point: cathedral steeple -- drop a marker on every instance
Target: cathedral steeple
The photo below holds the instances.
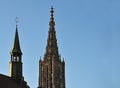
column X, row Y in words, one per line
column 51, row 68
column 51, row 48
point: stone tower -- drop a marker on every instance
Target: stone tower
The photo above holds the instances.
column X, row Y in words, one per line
column 16, row 59
column 51, row 68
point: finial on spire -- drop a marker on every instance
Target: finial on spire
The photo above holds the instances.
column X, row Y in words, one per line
column 16, row 20
column 52, row 11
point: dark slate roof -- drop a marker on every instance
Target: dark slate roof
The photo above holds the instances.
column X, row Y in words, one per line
column 7, row 82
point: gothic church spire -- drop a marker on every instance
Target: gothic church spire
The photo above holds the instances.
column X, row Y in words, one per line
column 51, row 68
column 51, row 48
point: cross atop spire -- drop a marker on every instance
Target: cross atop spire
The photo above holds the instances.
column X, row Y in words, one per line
column 16, row 20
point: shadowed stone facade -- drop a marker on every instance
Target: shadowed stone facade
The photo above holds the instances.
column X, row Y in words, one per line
column 51, row 68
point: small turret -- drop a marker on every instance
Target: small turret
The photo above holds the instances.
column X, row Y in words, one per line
column 16, row 59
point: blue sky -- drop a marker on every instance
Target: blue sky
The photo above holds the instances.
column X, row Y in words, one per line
column 88, row 33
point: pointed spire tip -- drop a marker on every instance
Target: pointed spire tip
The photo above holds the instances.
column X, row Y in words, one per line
column 16, row 20
column 16, row 45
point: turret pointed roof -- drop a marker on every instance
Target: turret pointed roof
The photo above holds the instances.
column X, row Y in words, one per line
column 16, row 45
column 52, row 48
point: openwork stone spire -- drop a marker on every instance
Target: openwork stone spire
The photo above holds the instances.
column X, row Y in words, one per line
column 51, row 48
column 51, row 68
